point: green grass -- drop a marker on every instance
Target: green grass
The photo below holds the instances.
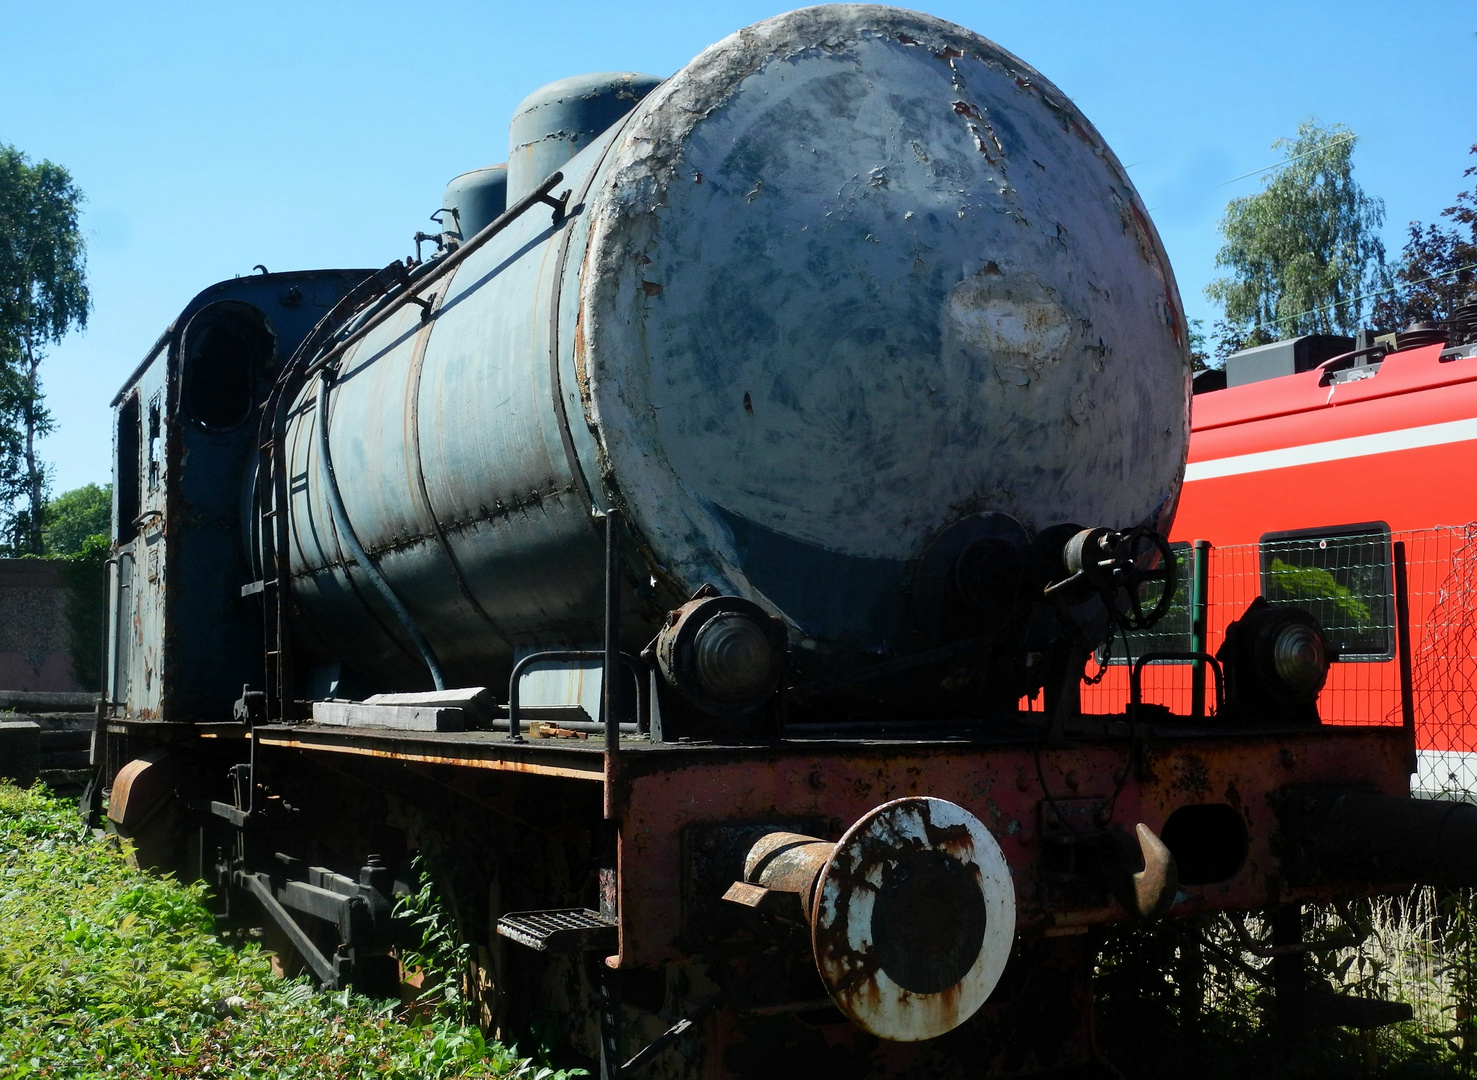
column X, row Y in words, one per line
column 106, row 971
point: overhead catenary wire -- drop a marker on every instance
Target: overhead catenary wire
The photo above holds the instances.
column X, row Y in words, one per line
column 1364, row 296
column 1353, row 299
column 1266, row 168
column 1288, row 161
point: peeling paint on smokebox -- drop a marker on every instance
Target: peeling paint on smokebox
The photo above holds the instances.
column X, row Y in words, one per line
column 876, row 334
column 1015, row 321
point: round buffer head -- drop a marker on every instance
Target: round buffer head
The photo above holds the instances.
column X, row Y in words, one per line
column 914, row 921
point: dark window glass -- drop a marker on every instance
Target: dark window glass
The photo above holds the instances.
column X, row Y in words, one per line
column 1341, row 575
column 1172, row 632
column 156, row 439
column 126, row 445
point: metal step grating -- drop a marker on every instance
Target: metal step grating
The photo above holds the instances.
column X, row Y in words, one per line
column 560, row 930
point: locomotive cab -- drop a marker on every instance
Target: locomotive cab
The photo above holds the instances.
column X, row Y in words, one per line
column 183, row 435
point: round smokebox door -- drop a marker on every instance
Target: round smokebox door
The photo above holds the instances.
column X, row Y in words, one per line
column 914, row 921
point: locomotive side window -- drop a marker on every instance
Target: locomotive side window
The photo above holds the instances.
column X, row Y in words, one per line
column 156, row 439
column 1342, row 576
column 228, row 347
column 127, row 443
column 1172, row 632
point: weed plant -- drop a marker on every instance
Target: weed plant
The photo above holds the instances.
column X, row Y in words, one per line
column 1185, row 992
column 106, row 972
column 442, row 959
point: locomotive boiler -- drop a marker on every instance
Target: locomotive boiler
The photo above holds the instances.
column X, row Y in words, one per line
column 696, row 561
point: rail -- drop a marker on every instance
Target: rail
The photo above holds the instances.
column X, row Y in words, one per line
column 566, row 656
column 611, row 656
column 1198, row 657
column 445, row 266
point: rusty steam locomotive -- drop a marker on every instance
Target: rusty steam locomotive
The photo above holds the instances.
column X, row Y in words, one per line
column 674, row 556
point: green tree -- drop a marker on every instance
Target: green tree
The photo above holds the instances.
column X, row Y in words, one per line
column 1199, row 350
column 1438, row 267
column 1305, row 250
column 74, row 516
column 43, row 295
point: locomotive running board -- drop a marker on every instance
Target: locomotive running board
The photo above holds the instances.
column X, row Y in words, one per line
column 579, row 759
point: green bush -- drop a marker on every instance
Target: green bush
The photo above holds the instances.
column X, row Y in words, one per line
column 106, row 971
column 84, row 573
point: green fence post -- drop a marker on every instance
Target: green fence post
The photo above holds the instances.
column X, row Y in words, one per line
column 1199, row 602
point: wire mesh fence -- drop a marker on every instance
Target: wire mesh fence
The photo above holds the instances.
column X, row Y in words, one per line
column 1345, row 578
column 1419, row 948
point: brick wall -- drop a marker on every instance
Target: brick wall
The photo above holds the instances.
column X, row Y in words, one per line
column 35, row 641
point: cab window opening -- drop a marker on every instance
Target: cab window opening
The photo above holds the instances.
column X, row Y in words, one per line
column 228, row 348
column 127, row 446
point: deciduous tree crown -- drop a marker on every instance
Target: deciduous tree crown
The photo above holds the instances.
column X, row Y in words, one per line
column 1304, row 252
column 43, row 295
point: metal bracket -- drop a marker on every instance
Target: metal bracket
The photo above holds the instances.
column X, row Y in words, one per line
column 560, row 204
column 235, row 816
column 700, row 1012
column 359, row 909
column 426, row 305
column 331, row 973
column 1112, row 855
column 564, row 656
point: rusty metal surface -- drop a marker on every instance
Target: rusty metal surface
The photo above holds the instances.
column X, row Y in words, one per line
column 788, row 862
column 837, row 248
column 140, row 786
column 455, row 478
column 1155, row 886
column 1335, row 834
column 474, row 750
column 914, row 920
column 557, row 121
column 180, row 640
column 668, row 789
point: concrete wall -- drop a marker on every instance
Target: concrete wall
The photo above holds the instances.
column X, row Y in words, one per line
column 35, row 641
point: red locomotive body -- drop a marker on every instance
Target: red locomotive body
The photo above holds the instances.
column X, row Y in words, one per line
column 1296, row 488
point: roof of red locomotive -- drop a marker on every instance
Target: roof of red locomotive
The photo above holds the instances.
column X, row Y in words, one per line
column 1400, row 373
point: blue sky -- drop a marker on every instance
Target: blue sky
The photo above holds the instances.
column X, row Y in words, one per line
column 210, row 137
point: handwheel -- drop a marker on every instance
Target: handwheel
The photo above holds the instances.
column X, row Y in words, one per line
column 1137, row 546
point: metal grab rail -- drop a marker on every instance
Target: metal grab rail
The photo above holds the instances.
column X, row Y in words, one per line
column 438, row 270
column 1135, row 679
column 634, row 664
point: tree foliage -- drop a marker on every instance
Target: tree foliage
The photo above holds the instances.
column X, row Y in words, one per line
column 1438, row 266
column 1199, row 350
column 73, row 517
column 43, row 295
column 1305, row 250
